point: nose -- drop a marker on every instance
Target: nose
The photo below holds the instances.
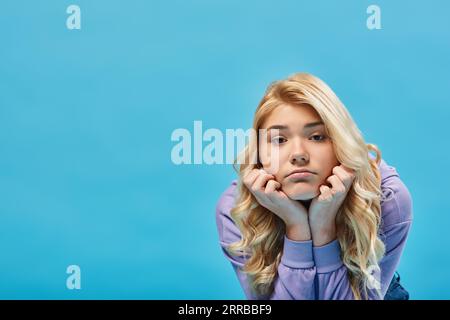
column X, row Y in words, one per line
column 299, row 156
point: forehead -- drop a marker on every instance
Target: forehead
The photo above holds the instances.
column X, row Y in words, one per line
column 291, row 116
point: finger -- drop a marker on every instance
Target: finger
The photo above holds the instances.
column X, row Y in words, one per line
column 347, row 169
column 324, row 189
column 261, row 181
column 341, row 172
column 337, row 186
column 250, row 178
column 271, row 187
column 325, row 192
column 265, row 197
column 345, row 174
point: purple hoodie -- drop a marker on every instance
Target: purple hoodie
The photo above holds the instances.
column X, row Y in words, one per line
column 307, row 272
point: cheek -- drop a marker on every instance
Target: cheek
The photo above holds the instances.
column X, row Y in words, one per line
column 326, row 164
column 274, row 162
column 269, row 155
column 262, row 154
column 321, row 180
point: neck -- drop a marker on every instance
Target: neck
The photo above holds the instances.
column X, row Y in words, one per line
column 306, row 203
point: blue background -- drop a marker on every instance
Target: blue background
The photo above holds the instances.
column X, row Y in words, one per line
column 86, row 118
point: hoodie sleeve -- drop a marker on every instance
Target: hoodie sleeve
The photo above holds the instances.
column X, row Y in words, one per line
column 396, row 207
column 296, row 271
column 309, row 273
column 332, row 279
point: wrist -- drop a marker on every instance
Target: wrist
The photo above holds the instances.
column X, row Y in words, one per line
column 298, row 232
column 296, row 220
column 323, row 235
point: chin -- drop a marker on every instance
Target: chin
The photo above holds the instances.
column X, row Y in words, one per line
column 302, row 193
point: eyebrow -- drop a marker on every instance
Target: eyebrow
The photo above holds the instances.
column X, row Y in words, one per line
column 307, row 126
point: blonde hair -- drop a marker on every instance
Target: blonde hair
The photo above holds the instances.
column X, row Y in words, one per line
column 358, row 219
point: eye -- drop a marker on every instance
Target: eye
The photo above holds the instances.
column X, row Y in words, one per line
column 318, row 137
column 278, row 140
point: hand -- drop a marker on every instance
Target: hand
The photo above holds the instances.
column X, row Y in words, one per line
column 324, row 207
column 268, row 193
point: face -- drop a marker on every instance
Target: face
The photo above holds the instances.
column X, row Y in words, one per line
column 296, row 138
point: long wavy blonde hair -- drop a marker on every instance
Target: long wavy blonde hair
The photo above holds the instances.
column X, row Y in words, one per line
column 359, row 217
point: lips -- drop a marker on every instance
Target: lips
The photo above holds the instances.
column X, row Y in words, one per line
column 301, row 173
